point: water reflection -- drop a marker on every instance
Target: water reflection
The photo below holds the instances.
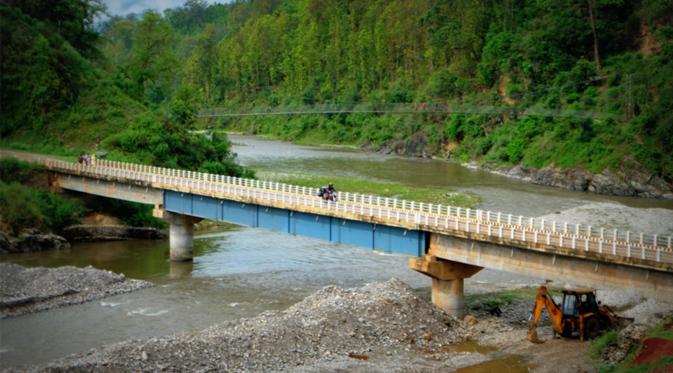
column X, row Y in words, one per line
column 180, row 270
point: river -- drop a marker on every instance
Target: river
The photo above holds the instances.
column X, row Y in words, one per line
column 240, row 272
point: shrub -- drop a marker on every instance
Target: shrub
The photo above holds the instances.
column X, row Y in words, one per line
column 26, row 208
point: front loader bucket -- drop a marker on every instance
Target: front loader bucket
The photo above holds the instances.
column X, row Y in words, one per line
column 532, row 336
column 623, row 322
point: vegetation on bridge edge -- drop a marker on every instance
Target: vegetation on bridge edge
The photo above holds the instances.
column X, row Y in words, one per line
column 27, row 203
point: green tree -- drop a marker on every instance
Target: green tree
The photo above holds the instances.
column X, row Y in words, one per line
column 152, row 64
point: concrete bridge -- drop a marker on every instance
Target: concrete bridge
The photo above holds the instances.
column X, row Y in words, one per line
column 446, row 243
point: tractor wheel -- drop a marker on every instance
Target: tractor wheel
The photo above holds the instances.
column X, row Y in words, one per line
column 592, row 328
column 567, row 331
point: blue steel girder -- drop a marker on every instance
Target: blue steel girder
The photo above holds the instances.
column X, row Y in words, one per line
column 343, row 231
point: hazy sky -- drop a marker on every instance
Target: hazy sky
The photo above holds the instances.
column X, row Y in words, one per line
column 123, row 7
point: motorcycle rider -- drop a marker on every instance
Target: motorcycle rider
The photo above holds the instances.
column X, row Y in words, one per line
column 327, row 191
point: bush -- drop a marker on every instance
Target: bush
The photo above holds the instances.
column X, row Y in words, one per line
column 20, row 208
column 599, row 344
column 28, row 208
column 12, row 169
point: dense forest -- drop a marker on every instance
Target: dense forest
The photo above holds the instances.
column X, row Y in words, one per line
column 600, row 68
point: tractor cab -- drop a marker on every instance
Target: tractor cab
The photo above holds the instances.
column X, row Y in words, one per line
column 578, row 301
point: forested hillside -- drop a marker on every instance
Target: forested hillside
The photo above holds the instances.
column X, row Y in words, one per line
column 600, row 68
column 58, row 94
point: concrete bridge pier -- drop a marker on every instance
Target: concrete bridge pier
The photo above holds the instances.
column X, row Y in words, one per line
column 181, row 234
column 447, row 281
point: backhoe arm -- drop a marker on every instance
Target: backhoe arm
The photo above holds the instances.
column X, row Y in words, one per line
column 543, row 299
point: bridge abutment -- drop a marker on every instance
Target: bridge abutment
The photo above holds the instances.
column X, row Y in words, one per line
column 181, row 235
column 447, row 281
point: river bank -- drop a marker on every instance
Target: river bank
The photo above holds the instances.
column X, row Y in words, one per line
column 27, row 290
column 34, row 240
column 627, row 183
column 379, row 327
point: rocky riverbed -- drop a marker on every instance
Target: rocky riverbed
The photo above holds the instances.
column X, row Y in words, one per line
column 91, row 232
column 380, row 327
column 632, row 182
column 26, row 290
column 31, row 241
column 616, row 216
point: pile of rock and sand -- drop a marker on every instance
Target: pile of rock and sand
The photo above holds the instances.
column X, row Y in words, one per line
column 26, row 290
column 380, row 327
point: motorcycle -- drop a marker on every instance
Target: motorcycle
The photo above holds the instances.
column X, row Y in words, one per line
column 328, row 195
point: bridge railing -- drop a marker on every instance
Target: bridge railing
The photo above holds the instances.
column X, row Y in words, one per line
column 494, row 224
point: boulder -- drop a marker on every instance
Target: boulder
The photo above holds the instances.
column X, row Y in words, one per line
column 6, row 245
column 40, row 242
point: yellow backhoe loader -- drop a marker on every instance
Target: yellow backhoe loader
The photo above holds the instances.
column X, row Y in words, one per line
column 579, row 315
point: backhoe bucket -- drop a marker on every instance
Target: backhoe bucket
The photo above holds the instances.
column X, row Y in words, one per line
column 532, row 336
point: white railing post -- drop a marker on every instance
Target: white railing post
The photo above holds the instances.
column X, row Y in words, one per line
column 586, row 244
column 600, row 246
column 565, row 228
column 499, row 217
column 553, row 226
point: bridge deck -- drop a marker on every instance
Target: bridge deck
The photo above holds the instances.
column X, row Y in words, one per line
column 595, row 243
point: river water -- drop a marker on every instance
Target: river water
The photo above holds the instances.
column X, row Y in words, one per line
column 239, row 272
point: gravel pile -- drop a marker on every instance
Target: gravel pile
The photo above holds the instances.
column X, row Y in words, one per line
column 26, row 290
column 378, row 327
